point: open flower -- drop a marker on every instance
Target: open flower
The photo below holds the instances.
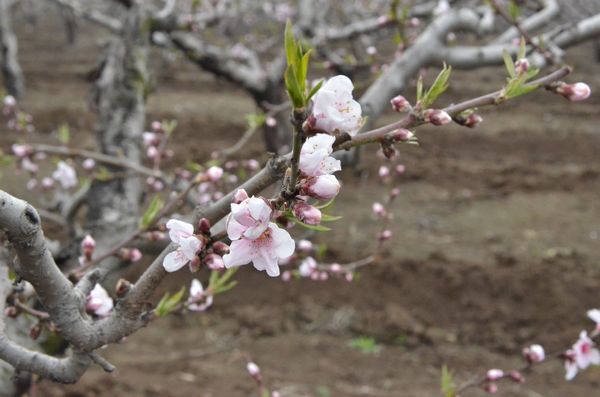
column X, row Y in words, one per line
column 198, row 301
column 264, row 251
column 181, row 233
column 250, row 218
column 581, row 355
column 334, row 109
column 98, row 302
column 65, row 175
column 315, row 156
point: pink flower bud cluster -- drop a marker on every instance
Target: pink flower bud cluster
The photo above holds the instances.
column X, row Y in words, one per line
column 16, row 120
column 317, row 167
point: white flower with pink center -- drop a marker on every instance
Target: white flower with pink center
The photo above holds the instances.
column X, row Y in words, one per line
column 198, row 300
column 315, row 156
column 334, row 109
column 265, row 251
column 65, row 175
column 581, row 355
column 250, row 218
column 99, row 302
column 182, row 234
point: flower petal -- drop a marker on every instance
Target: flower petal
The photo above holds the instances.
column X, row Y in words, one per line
column 174, row 261
column 179, row 230
column 240, row 253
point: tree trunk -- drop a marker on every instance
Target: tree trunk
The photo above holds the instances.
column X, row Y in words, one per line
column 11, row 70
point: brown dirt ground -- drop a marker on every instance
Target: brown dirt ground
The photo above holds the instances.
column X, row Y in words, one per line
column 495, row 246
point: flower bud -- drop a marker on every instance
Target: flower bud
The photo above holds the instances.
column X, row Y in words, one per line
column 204, row 226
column 401, row 135
column 157, row 126
column 534, row 353
column 307, row 213
column 323, row 187
column 575, row 92
column 384, row 172
column 88, row 245
column 214, row 173
column 305, row 246
column 521, row 66
column 270, row 121
column 220, row 248
column 494, row 374
column 400, row 104
column 35, row 331
column 253, row 370
column 436, row 117
column 378, row 209
column 194, row 264
column 385, row 235
column 21, row 150
column 286, row 276
column 122, row 288
column 10, row 101
column 394, row 193
column 491, row 388
column 335, row 268
column 516, row 376
column 240, row 196
column 214, row 262
column 472, row 120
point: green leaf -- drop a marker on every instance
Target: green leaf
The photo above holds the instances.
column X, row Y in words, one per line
column 448, row 387
column 317, row 228
column 513, row 10
column 329, row 218
column 314, row 90
column 169, row 126
column 419, row 88
column 509, row 63
column 291, row 83
column 64, row 134
column 365, row 345
column 291, row 49
column 522, row 49
column 168, row 303
column 153, row 209
column 303, row 70
column 437, row 88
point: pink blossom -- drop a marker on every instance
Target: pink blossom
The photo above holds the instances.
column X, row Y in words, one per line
column 575, row 92
column 315, row 156
column 307, row 213
column 264, row 251
column 134, row 255
column 286, row 276
column 324, row 187
column 240, row 196
column 214, row 173
column 371, row 50
column 581, row 355
column 65, row 175
column 156, row 126
column 252, row 164
column 152, row 152
column 442, row 7
column 305, row 246
column 253, row 370
column 271, row 121
column 198, row 301
column 88, row 245
column 10, row 101
column 47, row 182
column 385, row 235
column 334, row 109
column 249, row 219
column 99, row 302
column 21, row 150
column 594, row 315
column 378, row 209
column 182, row 234
column 384, row 171
column 150, row 139
column 29, row 165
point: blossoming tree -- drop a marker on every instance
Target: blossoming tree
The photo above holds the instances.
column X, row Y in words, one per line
column 218, row 222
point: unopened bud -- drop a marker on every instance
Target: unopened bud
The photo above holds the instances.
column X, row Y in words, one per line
column 516, row 376
column 521, row 66
column 214, row 173
column 307, row 213
column 494, row 374
column 305, row 246
column 378, row 209
column 253, row 370
column 400, row 104
column 389, row 152
column 88, row 245
column 402, row 135
column 394, row 193
column 35, row 331
column 472, row 120
column 220, row 248
column 323, row 187
column 491, row 388
column 436, row 116
column 194, row 264
column 534, row 353
column 575, row 92
column 157, row 126
column 384, row 172
column 385, row 235
column 88, row 164
column 214, row 262
column 204, row 226
column 122, row 288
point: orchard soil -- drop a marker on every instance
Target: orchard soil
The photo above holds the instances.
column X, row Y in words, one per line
column 496, row 245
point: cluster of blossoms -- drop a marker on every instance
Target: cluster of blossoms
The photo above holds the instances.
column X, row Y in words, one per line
column 99, row 303
column 216, row 179
column 16, row 120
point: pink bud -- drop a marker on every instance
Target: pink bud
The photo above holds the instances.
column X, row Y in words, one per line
column 214, row 173
column 534, row 353
column 400, row 169
column 240, row 196
column 384, row 171
column 10, row 101
column 88, row 245
column 491, row 388
column 204, row 226
column 394, row 193
column 214, row 262
column 335, row 268
column 400, row 104
column 349, row 277
column 157, row 126
column 378, row 209
column 88, row 164
column 47, row 183
column 271, row 121
column 473, row 120
column 305, row 246
column 32, row 184
column 220, row 248
column 307, row 213
column 323, row 187
column 385, row 235
column 152, row 152
column 575, row 92
column 275, row 393
column 323, row 276
column 252, row 165
column 371, row 50
column 286, row 276
column 436, row 116
column 402, row 135
column 522, row 66
column 253, row 370
column 135, row 255
column 21, row 150
column 516, row 376
column 494, row 374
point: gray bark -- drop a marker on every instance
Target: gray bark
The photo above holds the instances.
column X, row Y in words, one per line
column 14, row 81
